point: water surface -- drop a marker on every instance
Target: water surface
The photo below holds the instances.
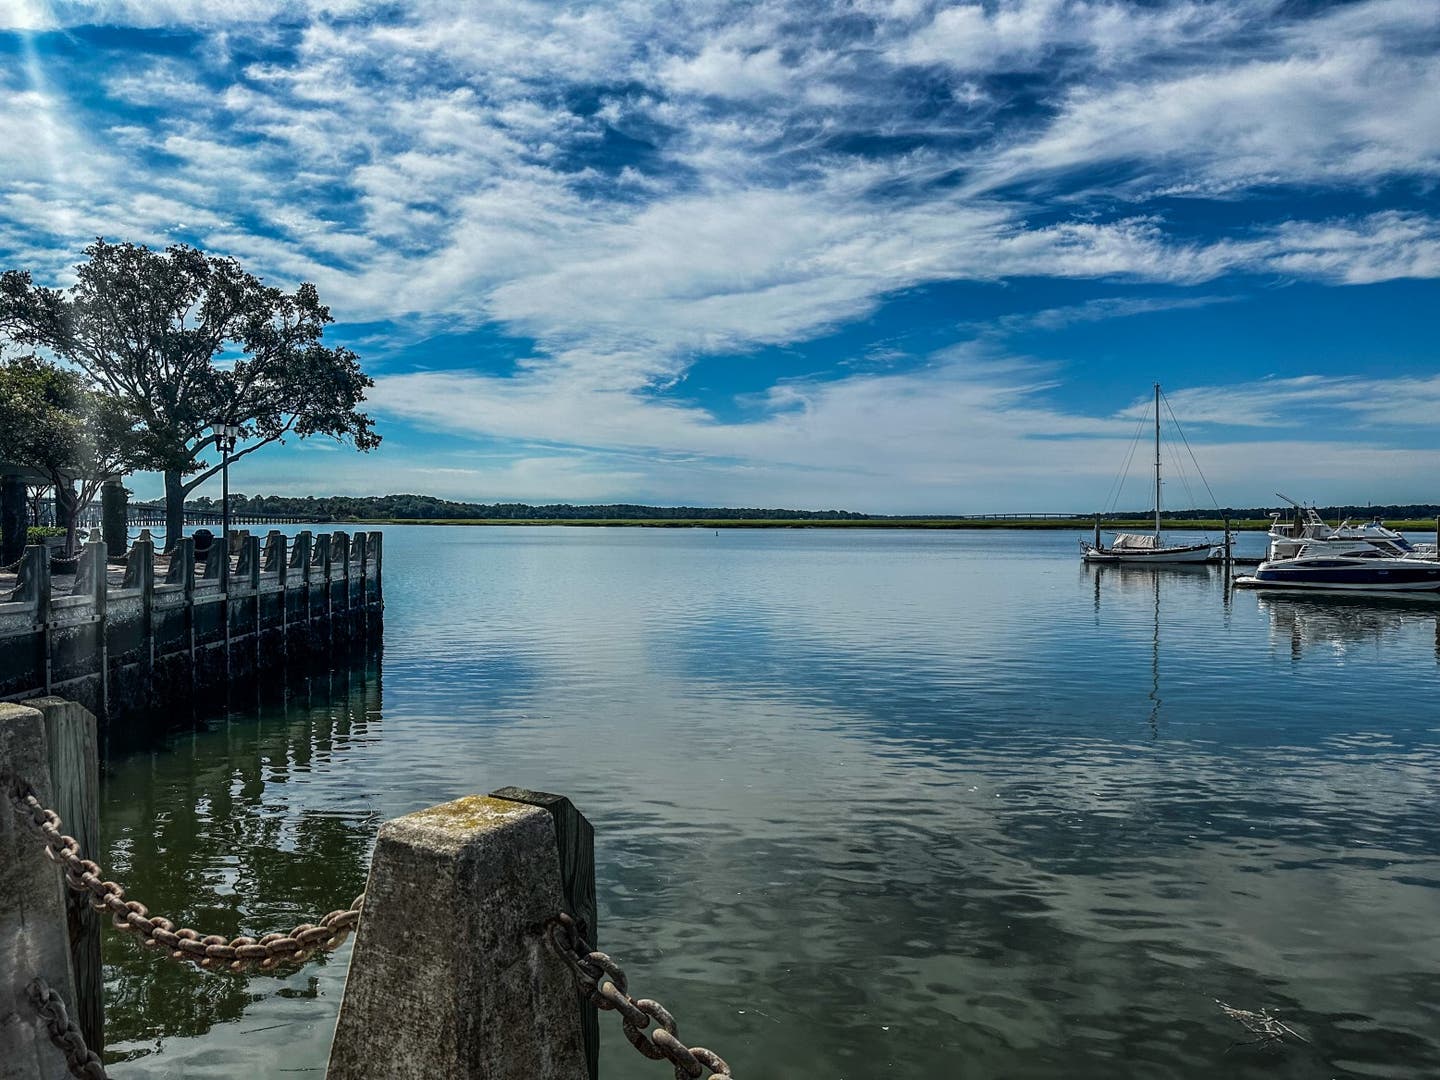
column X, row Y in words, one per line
column 867, row 804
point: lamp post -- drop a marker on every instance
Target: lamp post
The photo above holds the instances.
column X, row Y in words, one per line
column 225, row 436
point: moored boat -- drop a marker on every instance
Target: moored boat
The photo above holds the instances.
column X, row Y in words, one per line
column 1288, row 537
column 1345, row 565
column 1150, row 548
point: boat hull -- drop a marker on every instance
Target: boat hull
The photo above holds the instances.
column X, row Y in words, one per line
column 1195, row 553
column 1418, row 577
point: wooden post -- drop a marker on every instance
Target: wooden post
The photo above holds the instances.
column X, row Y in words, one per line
column 97, row 553
column 1228, row 554
column 362, row 568
column 184, row 551
column 34, row 941
column 70, row 735
column 575, row 842
column 342, row 541
column 140, row 573
column 250, row 565
column 377, row 562
column 452, row 940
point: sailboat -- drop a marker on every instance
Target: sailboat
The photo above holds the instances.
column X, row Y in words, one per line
column 1149, row 548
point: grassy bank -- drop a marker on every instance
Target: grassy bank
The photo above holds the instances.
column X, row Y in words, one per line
column 1070, row 524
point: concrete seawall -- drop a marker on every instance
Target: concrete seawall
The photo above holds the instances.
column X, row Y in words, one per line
column 174, row 629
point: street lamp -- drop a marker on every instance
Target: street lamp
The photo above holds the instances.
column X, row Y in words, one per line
column 225, row 436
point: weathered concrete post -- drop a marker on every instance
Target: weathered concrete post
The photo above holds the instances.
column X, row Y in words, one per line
column 92, row 575
column 14, row 519
column 451, row 941
column 33, row 937
column 74, row 759
column 575, row 843
column 114, row 515
column 140, row 574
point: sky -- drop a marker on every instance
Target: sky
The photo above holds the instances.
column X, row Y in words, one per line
column 882, row 255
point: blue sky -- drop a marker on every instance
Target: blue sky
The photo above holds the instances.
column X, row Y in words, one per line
column 887, row 255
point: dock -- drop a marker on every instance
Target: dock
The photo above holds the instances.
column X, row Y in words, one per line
column 161, row 631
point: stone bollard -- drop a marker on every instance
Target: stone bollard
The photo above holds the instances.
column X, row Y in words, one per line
column 34, row 941
column 451, row 977
column 72, row 744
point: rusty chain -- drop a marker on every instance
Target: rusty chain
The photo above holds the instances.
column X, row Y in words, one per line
column 210, row 951
column 611, row 994
column 83, row 1063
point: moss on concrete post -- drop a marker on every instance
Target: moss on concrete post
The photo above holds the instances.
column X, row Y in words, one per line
column 451, row 977
column 34, row 941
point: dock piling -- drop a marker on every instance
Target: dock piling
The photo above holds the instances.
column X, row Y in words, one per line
column 34, row 940
column 453, row 940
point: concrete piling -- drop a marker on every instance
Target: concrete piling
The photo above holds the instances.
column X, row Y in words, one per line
column 34, row 941
column 451, row 978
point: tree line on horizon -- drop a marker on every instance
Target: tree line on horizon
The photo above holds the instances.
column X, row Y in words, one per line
column 410, row 507
column 422, row 507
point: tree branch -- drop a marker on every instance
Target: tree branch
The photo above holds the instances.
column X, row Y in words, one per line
column 190, row 485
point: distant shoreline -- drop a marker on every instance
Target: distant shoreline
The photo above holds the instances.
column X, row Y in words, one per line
column 1070, row 525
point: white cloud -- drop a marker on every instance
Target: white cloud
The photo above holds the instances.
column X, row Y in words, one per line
column 786, row 170
column 1331, row 101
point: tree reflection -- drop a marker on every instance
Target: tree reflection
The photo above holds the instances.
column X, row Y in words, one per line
column 227, row 837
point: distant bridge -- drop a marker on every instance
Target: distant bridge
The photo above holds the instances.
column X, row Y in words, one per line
column 141, row 514
column 147, row 515
column 1025, row 517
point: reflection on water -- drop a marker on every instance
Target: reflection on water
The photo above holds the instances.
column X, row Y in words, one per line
column 1135, row 586
column 218, row 844
column 1342, row 624
column 867, row 804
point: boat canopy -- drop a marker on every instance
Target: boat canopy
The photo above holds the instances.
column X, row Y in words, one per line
column 1135, row 542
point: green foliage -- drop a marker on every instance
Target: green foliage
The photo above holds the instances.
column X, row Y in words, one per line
column 52, row 420
column 39, row 533
column 148, row 327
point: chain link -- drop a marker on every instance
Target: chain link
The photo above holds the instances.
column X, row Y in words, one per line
column 210, row 951
column 611, row 994
column 83, row 1063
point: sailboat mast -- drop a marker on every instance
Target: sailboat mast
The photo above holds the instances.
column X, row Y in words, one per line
column 1157, row 460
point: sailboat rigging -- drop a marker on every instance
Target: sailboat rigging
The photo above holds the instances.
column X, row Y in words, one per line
column 1149, row 548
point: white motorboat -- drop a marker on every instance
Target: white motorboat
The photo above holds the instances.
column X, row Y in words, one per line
column 1341, row 564
column 1149, row 548
column 1288, row 537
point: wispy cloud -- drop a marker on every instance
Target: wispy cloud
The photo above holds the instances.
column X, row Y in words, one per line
column 638, row 188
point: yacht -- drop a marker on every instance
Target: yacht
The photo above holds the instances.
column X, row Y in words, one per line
column 1347, row 564
column 1288, row 537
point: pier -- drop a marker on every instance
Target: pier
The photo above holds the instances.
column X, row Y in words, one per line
column 161, row 630
column 473, row 959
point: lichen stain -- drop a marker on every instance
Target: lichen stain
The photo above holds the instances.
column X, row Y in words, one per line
column 468, row 813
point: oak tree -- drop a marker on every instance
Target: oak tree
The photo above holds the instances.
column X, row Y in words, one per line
column 189, row 341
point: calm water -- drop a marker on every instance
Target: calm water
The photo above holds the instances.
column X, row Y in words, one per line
column 868, row 804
